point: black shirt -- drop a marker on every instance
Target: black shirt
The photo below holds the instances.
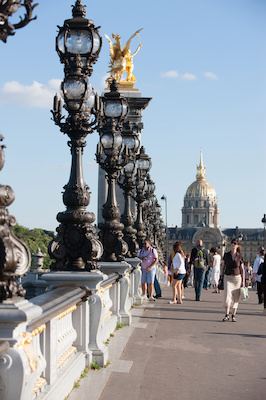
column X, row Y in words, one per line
column 232, row 266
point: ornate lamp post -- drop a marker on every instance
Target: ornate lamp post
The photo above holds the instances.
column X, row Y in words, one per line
column 143, row 167
column 7, row 9
column 127, row 183
column 166, row 226
column 112, row 158
column 14, row 254
column 148, row 207
column 78, row 45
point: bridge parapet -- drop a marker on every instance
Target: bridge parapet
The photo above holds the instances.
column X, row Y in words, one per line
column 49, row 340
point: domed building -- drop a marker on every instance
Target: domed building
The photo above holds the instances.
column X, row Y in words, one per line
column 200, row 202
column 200, row 220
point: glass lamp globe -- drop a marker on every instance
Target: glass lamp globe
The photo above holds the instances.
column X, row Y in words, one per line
column 132, row 142
column 114, row 104
column 129, row 168
column 79, row 36
column 75, row 91
column 140, row 185
column 111, row 143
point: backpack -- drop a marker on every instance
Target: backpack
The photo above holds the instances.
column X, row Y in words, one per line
column 199, row 261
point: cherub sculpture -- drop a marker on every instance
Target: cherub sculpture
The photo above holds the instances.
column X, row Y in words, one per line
column 121, row 60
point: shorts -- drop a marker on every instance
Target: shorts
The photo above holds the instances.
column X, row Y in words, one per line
column 179, row 277
column 148, row 277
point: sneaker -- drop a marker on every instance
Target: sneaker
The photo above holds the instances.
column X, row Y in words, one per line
column 151, row 298
column 157, row 296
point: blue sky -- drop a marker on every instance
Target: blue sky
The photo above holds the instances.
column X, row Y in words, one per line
column 203, row 62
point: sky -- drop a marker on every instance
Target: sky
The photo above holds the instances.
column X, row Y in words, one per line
column 203, row 63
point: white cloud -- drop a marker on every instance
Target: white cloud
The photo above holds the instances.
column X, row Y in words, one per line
column 170, row 74
column 210, row 75
column 189, row 77
column 37, row 95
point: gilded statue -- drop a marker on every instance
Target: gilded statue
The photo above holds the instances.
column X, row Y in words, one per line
column 121, row 59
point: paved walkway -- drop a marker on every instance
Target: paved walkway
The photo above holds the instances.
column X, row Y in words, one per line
column 184, row 352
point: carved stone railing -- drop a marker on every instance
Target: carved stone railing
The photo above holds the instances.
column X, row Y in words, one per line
column 46, row 342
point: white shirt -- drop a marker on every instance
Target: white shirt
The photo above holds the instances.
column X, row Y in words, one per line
column 179, row 264
column 258, row 260
column 217, row 263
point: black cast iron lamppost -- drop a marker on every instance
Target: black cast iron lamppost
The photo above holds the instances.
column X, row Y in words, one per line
column 7, row 9
column 14, row 254
column 78, row 45
column 112, row 158
column 148, row 207
column 143, row 167
column 166, row 226
column 127, row 183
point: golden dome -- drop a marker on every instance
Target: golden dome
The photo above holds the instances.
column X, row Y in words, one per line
column 201, row 188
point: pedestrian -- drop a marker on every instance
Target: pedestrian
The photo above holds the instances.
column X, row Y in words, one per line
column 257, row 277
column 248, row 272
column 149, row 259
column 188, row 270
column 216, row 264
column 179, row 272
column 262, row 272
column 200, row 260
column 165, row 273
column 170, row 266
column 234, row 278
column 206, row 282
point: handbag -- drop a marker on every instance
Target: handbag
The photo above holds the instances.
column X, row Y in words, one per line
column 244, row 293
column 221, row 283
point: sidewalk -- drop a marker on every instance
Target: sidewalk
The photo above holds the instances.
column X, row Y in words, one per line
column 184, row 352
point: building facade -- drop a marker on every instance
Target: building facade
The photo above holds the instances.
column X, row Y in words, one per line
column 200, row 220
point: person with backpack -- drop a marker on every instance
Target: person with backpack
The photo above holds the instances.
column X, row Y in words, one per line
column 200, row 260
column 149, row 259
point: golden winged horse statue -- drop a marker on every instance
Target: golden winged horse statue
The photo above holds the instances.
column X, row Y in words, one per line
column 121, row 60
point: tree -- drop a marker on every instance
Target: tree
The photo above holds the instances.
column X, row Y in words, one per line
column 34, row 239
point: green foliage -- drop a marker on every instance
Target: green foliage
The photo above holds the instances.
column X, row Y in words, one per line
column 119, row 326
column 34, row 239
column 94, row 365
column 85, row 372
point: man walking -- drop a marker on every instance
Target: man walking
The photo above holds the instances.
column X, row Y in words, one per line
column 257, row 277
column 149, row 259
column 200, row 260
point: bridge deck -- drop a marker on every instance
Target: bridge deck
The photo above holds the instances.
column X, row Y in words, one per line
column 184, row 352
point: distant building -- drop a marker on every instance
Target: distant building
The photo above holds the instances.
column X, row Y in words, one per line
column 200, row 220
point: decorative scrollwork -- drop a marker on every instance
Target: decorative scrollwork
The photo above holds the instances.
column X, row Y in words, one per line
column 7, row 9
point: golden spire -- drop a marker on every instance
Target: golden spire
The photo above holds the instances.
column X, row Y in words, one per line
column 201, row 176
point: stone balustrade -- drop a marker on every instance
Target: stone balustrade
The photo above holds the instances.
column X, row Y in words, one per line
column 47, row 341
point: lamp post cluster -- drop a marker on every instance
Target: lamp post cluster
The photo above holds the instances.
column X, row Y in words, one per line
column 112, row 157
column 118, row 121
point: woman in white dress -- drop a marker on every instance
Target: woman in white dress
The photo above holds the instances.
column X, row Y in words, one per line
column 216, row 264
